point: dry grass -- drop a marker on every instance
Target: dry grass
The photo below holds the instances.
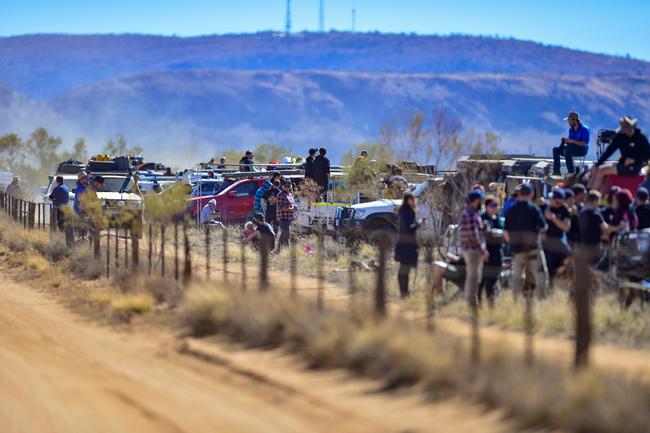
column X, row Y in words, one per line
column 126, row 305
column 554, row 316
column 401, row 354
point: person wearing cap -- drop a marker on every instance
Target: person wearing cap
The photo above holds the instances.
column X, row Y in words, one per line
column 322, row 170
column 60, row 197
column 13, row 189
column 80, row 190
column 222, row 163
column 270, row 199
column 265, row 232
column 642, row 208
column 473, row 245
column 246, row 162
column 633, row 147
column 524, row 224
column 592, row 228
column 494, row 240
column 308, row 166
column 558, row 218
column 286, row 206
column 575, row 145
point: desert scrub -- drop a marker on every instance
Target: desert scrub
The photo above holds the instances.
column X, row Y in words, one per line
column 401, row 354
column 125, row 306
column 554, row 316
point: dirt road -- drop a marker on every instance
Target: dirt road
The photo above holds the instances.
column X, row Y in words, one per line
column 61, row 373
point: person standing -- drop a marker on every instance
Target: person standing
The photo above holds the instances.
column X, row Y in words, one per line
column 259, row 196
column 60, row 197
column 246, row 162
column 633, row 147
column 271, row 199
column 406, row 249
column 309, row 164
column 286, row 206
column 642, row 209
column 576, row 144
column 473, row 246
column 592, row 228
column 494, row 239
column 222, row 163
column 558, row 219
column 524, row 224
column 322, row 171
column 13, row 189
column 79, row 191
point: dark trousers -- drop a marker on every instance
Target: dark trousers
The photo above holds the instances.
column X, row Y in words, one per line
column 568, row 151
column 285, row 233
column 403, row 279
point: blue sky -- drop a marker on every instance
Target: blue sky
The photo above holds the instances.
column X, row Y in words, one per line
column 617, row 27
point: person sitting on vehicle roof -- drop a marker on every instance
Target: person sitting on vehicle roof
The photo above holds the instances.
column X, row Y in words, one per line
column 246, row 163
column 576, row 144
column 168, row 172
column 222, row 163
column 322, row 170
column 309, row 164
column 634, row 149
column 207, row 214
column 642, row 208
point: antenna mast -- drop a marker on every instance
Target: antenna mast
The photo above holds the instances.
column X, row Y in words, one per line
column 287, row 24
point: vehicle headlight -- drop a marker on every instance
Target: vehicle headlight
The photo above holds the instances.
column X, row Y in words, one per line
column 359, row 213
column 120, row 203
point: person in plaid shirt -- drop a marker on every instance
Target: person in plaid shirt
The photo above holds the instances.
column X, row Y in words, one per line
column 472, row 242
column 286, row 206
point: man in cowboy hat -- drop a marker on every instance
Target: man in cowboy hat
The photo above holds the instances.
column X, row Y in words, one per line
column 576, row 144
column 633, row 147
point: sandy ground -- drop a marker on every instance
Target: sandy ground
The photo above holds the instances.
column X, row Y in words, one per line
column 62, row 373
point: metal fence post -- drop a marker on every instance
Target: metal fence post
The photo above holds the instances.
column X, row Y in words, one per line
column 108, row 251
column 264, row 263
column 187, row 272
column 136, row 231
column 176, row 250
column 225, row 254
column 117, row 246
column 242, row 247
column 582, row 283
column 320, row 257
column 207, row 252
column 293, row 265
column 150, row 242
column 162, row 250
column 126, row 246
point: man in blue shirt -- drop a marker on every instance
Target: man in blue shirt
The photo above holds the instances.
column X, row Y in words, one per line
column 60, row 197
column 80, row 189
column 576, row 144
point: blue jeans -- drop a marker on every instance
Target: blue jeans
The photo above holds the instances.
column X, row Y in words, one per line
column 569, row 151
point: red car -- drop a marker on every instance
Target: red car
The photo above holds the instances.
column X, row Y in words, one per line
column 234, row 204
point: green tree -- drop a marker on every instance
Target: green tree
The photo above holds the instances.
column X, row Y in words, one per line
column 43, row 149
column 119, row 147
column 11, row 152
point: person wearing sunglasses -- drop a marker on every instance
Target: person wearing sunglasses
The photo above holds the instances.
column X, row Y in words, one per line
column 493, row 226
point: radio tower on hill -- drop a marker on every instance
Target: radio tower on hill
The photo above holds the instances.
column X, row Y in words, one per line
column 321, row 17
column 287, row 24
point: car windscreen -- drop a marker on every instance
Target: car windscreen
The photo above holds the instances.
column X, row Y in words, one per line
column 114, row 184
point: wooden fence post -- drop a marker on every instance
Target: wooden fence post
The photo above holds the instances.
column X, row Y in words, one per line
column 176, row 276
column 207, row 252
column 108, row 251
column 380, row 288
column 582, row 283
column 243, row 265
column 162, row 250
column 225, row 254
column 187, row 272
column 320, row 257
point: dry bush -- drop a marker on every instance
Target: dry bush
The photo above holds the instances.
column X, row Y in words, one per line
column 166, row 290
column 125, row 306
column 401, row 354
column 84, row 264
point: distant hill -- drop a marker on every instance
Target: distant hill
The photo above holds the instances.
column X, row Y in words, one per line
column 186, row 98
column 43, row 66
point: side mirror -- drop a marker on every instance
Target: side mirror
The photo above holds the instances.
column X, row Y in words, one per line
column 232, row 194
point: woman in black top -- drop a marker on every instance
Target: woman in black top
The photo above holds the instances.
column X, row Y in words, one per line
column 494, row 238
column 406, row 249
